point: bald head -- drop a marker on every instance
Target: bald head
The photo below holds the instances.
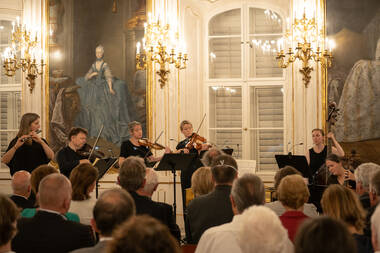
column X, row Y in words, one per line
column 54, row 193
column 21, row 183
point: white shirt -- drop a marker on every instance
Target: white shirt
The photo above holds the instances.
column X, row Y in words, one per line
column 308, row 209
column 221, row 238
column 84, row 209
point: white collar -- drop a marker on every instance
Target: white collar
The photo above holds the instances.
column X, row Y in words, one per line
column 106, row 238
column 52, row 211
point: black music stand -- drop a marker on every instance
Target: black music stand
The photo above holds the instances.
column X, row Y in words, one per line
column 103, row 165
column 299, row 162
column 173, row 162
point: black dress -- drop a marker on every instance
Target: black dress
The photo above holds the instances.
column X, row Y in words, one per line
column 27, row 157
column 317, row 159
column 128, row 149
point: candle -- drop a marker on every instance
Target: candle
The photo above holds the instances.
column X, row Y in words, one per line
column 138, row 45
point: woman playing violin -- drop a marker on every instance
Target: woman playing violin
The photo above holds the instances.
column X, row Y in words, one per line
column 136, row 146
column 70, row 156
column 27, row 150
column 187, row 130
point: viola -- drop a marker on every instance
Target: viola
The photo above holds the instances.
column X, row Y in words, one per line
column 153, row 145
column 85, row 151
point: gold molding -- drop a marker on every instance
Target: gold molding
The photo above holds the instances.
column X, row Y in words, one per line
column 324, row 84
column 46, row 72
column 149, row 88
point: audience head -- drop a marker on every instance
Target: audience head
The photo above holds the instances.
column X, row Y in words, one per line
column 374, row 188
column 112, row 208
column 343, row 204
column 132, row 173
column 151, row 181
column 334, row 165
column 262, row 231
column 223, row 174
column 39, row 173
column 143, row 234
column 375, row 229
column 54, row 193
column 324, row 234
column 286, row 171
column 83, row 179
column 21, row 183
column 247, row 191
column 293, row 192
column 224, row 160
column 201, row 181
column 363, row 174
column 8, row 217
column 209, row 155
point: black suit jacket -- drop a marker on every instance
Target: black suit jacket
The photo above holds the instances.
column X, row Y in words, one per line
column 208, row 211
column 161, row 211
column 50, row 232
column 22, row 202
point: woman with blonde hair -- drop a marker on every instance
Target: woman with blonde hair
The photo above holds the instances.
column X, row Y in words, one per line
column 201, row 181
column 27, row 150
column 343, row 204
column 83, row 181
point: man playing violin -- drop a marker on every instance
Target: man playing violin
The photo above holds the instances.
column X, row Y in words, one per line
column 136, row 146
column 70, row 156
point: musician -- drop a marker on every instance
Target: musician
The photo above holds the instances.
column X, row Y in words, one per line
column 27, row 150
column 187, row 130
column 317, row 154
column 70, row 156
column 132, row 147
column 339, row 175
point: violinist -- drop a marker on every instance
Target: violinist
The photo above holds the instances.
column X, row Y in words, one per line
column 187, row 130
column 70, row 156
column 27, row 150
column 136, row 146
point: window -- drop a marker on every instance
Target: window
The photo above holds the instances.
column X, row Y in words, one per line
column 10, row 95
column 245, row 84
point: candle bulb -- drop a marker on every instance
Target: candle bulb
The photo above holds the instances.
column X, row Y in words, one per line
column 138, row 45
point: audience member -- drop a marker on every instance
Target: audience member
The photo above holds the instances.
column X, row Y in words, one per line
column 339, row 175
column 374, row 198
column 209, row 155
column 212, row 209
column 201, row 181
column 224, row 160
column 112, row 208
column 375, row 227
column 48, row 230
column 262, row 231
column 343, row 204
column 132, row 178
column 246, row 191
column 143, row 234
column 363, row 174
column 21, row 189
column 83, row 179
column 151, row 183
column 37, row 175
column 8, row 218
column 324, row 234
column 276, row 206
column 293, row 194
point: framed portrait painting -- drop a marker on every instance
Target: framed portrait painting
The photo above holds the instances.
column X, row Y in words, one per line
column 93, row 81
column 354, row 79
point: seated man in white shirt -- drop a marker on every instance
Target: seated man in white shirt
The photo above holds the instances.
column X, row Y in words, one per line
column 246, row 191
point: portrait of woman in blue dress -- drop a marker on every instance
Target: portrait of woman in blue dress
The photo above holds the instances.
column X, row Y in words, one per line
column 105, row 100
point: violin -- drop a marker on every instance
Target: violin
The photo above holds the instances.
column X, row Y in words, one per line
column 196, row 142
column 153, row 145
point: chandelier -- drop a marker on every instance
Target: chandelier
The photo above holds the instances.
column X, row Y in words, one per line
column 23, row 54
column 308, row 38
column 160, row 45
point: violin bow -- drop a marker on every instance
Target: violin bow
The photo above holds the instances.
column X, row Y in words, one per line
column 204, row 116
column 96, row 142
column 155, row 141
